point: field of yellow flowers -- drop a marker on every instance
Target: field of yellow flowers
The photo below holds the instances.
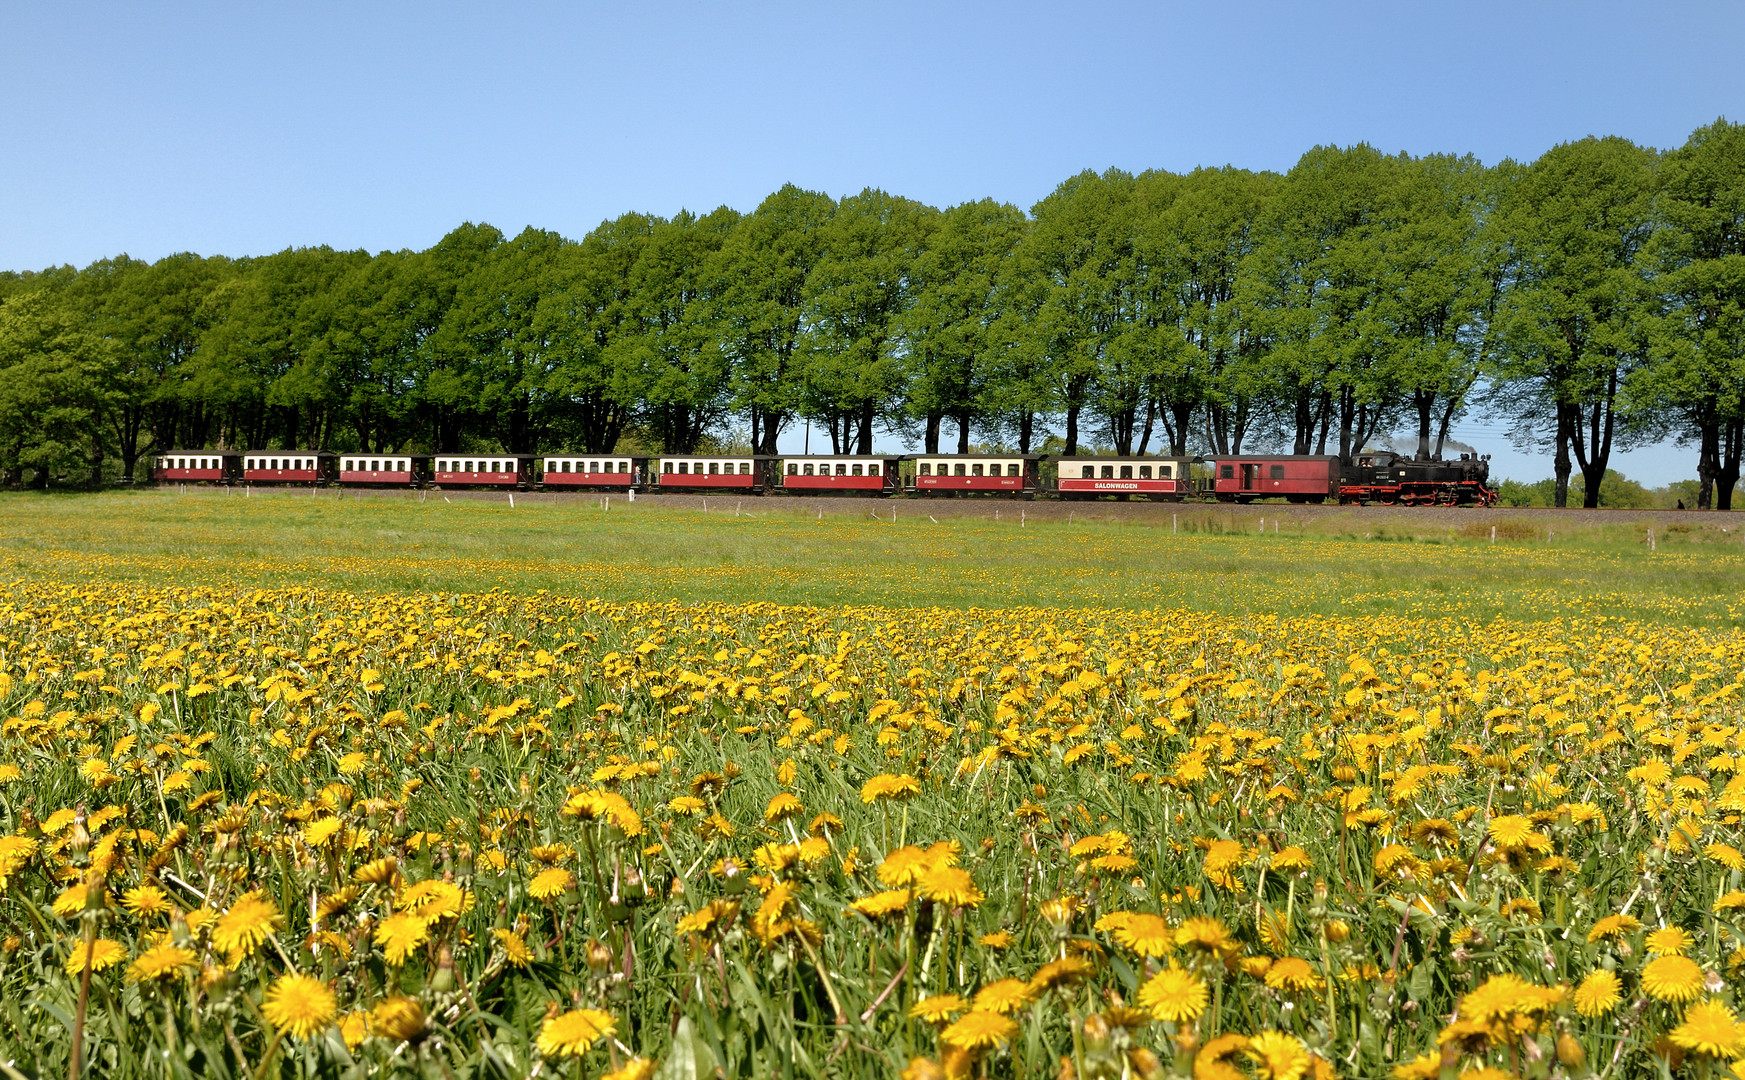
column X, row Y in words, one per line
column 308, row 831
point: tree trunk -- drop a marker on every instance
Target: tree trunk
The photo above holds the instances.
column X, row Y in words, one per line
column 930, row 441
column 1424, row 400
column 1150, row 420
column 1708, row 454
column 963, row 432
column 865, row 435
column 1072, row 430
column 1732, row 443
column 1026, row 430
column 1561, row 464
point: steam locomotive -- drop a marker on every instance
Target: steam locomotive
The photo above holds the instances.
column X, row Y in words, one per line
column 1374, row 477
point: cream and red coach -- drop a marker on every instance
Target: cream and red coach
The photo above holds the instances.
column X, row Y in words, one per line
column 824, row 475
column 613, row 471
column 286, row 466
column 1150, row 477
column 958, row 474
column 701, row 472
column 483, row 470
column 196, row 466
column 391, row 470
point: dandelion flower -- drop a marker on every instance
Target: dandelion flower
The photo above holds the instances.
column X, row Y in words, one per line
column 1004, row 996
column 1205, row 934
column 399, row 934
column 785, row 805
column 635, row 1068
column 1511, row 831
column 938, row 1009
column 101, row 953
column 144, row 901
column 160, row 963
column 1667, row 941
column 904, row 866
column 550, row 884
column 570, row 1034
column 1613, row 926
column 1598, row 994
column 1146, row 935
column 514, row 947
column 1710, row 1029
column 299, row 1005
column 978, row 1030
column 1278, row 1056
column 1174, row 994
column 398, row 1018
column 1063, row 972
column 886, row 786
column 1672, row 978
column 951, row 886
column 883, row 905
column 250, row 921
column 1292, row 973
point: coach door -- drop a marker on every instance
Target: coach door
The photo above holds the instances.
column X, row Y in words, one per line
column 1250, row 474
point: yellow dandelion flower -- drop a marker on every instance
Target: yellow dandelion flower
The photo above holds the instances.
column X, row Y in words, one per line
column 785, row 805
column 979, row 1030
column 514, row 947
column 570, row 1034
column 1174, row 994
column 399, row 934
column 160, row 963
column 1667, row 941
column 1710, row 1029
column 299, row 1005
column 144, row 901
column 1599, row 993
column 551, row 884
column 938, row 1009
column 635, row 1068
column 1612, row 927
column 1278, row 1056
column 101, row 954
column 249, row 922
column 1004, row 996
column 883, row 905
column 1293, row 974
column 1672, row 978
column 1146, row 935
column 951, row 886
column 400, row 1019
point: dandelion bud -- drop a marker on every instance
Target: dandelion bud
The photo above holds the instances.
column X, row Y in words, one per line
column 400, row 826
column 400, row 1019
column 180, row 935
column 923, row 1069
column 1569, row 1052
column 599, row 955
column 1338, row 930
column 443, row 980
column 1096, row 1030
column 79, row 840
column 1345, row 774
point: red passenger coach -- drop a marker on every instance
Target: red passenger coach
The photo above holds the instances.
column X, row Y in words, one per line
column 286, row 466
column 388, row 470
column 941, row 474
column 1156, row 478
column 195, row 466
column 617, row 471
column 707, row 473
column 1298, row 478
column 483, row 470
column 807, row 475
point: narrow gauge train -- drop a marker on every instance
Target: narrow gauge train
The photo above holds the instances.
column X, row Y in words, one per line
column 1376, row 477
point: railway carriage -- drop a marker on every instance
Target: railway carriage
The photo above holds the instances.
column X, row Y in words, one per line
column 619, row 472
column 702, row 472
column 1299, row 478
column 483, row 470
column 287, row 466
column 822, row 475
column 1147, row 477
column 383, row 470
column 968, row 474
column 196, row 466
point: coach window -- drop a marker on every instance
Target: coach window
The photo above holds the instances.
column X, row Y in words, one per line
column 855, row 471
column 1144, row 472
column 1126, row 472
column 872, row 469
column 1108, row 472
column 1277, row 472
column 1163, row 472
column 841, row 468
column 1226, row 472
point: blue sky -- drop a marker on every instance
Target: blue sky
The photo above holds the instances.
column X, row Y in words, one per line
column 247, row 128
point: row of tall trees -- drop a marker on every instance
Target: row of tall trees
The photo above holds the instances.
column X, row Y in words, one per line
column 1590, row 299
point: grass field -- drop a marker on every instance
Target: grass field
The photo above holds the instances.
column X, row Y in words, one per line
column 305, row 787
column 640, row 552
